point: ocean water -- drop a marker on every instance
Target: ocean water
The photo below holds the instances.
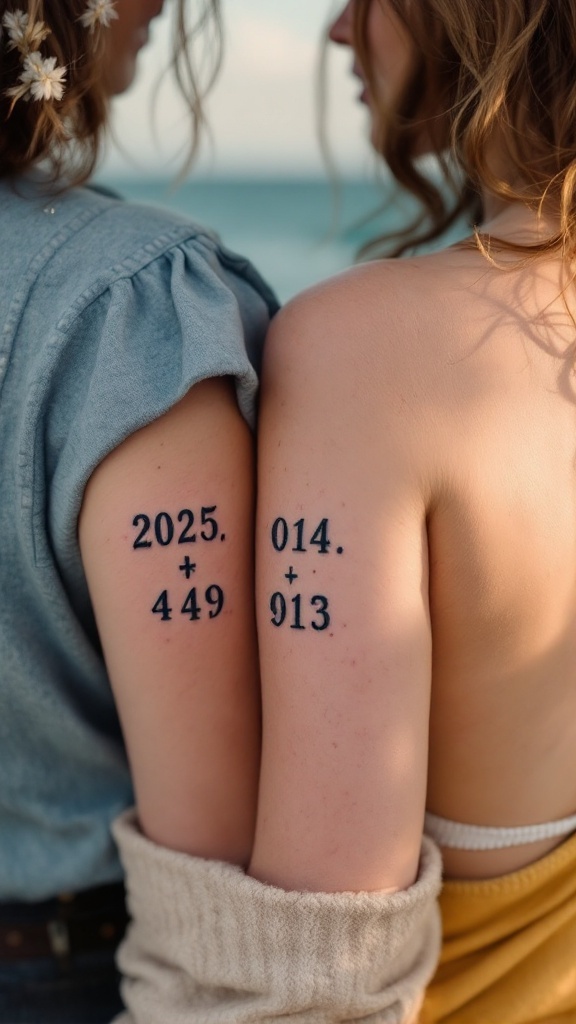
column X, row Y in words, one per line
column 287, row 228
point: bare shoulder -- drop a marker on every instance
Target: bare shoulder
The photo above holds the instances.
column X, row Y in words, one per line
column 388, row 339
column 402, row 319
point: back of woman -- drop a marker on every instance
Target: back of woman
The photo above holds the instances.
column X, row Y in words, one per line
column 424, row 412
column 501, row 535
column 489, row 409
column 500, row 446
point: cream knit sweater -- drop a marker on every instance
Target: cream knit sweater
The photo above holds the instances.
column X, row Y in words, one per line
column 209, row 945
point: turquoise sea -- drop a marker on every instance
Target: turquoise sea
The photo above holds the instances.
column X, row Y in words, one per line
column 287, row 228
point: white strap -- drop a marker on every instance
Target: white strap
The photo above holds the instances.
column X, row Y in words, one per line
column 458, row 836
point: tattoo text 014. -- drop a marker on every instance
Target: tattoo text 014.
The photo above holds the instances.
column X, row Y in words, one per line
column 299, row 612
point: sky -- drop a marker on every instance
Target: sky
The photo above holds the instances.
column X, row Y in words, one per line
column 262, row 111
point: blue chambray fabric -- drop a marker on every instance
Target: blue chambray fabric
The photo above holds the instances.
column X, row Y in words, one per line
column 109, row 313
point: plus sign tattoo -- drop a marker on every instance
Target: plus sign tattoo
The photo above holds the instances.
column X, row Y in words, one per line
column 188, row 567
column 300, row 611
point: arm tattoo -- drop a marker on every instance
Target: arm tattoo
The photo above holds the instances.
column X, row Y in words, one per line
column 298, row 611
column 160, row 530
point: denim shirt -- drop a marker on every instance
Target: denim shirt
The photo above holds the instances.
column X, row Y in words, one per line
column 109, row 313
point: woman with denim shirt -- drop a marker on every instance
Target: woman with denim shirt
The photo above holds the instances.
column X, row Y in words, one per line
column 131, row 342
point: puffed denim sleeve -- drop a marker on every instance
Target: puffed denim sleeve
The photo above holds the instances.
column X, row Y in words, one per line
column 131, row 350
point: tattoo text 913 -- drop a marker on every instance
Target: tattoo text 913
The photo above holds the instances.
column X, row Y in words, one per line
column 301, row 539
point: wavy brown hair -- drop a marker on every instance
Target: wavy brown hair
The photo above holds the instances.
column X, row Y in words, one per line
column 486, row 75
column 67, row 135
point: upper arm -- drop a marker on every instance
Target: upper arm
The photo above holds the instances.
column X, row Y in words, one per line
column 342, row 584
column 166, row 534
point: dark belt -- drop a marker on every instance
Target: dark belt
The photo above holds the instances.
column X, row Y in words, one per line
column 63, row 927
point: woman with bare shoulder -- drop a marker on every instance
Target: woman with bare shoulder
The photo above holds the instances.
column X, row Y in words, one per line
column 128, row 375
column 417, row 480
column 417, row 567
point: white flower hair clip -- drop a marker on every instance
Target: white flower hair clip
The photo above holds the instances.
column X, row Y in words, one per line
column 41, row 79
column 23, row 34
column 98, row 12
column 15, row 23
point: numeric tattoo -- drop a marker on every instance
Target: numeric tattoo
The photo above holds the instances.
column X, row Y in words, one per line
column 319, row 537
column 298, row 611
column 164, row 529
column 279, row 609
column 213, row 596
column 161, row 530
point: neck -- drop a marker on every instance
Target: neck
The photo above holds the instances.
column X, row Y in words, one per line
column 502, row 216
column 493, row 209
column 517, row 222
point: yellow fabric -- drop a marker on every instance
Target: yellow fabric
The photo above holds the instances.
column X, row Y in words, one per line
column 509, row 947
